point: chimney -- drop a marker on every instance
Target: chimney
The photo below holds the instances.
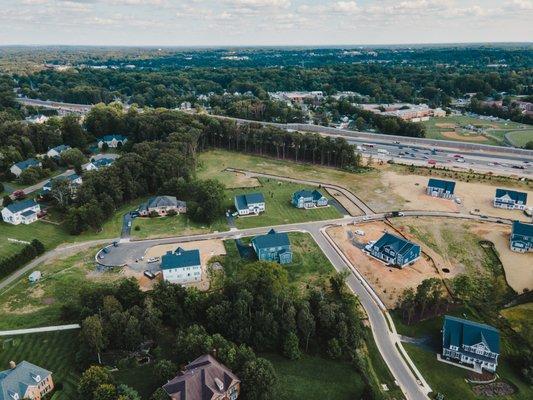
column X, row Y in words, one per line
column 12, row 365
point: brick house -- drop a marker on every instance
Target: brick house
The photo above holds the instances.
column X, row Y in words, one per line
column 162, row 205
column 25, row 381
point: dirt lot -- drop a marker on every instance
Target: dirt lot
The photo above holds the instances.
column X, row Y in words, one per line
column 208, row 249
column 352, row 209
column 517, row 266
column 456, row 136
column 388, row 282
column 473, row 196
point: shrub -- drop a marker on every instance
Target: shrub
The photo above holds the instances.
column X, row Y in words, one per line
column 172, row 213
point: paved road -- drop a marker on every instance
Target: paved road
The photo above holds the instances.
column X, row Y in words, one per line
column 40, row 330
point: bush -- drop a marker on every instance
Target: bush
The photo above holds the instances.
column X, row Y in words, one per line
column 172, row 213
column 153, row 214
column 137, row 228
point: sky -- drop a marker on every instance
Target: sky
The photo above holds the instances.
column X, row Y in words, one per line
column 263, row 22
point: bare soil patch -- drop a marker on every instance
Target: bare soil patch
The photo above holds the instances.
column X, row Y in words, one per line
column 456, row 136
column 517, row 266
column 388, row 282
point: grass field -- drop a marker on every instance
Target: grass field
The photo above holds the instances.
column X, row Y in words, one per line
column 520, row 138
column 520, row 319
column 279, row 209
column 493, row 131
column 172, row 226
column 25, row 305
column 140, row 378
column 316, row 378
column 53, row 351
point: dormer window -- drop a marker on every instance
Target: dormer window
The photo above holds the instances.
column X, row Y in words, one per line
column 14, row 395
column 35, row 377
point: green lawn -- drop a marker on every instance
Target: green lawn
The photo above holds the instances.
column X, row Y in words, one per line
column 26, row 305
column 450, row 380
column 54, row 351
column 279, row 209
column 140, row 378
column 311, row 378
column 309, row 263
column 520, row 319
column 520, row 138
column 178, row 225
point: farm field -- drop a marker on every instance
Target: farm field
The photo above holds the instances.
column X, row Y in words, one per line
column 279, row 209
column 316, row 378
column 452, row 127
column 54, row 351
column 25, row 305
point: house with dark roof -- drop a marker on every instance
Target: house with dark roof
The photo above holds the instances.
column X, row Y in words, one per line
column 25, row 381
column 21, row 212
column 182, row 266
column 162, row 205
column 18, row 168
column 112, row 141
column 308, row 199
column 471, row 343
column 273, row 246
column 251, row 203
column 204, row 379
column 73, row 179
column 521, row 239
column 97, row 164
column 440, row 188
column 56, row 151
column 510, row 199
column 395, row 250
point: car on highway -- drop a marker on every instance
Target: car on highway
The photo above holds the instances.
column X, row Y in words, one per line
column 432, row 162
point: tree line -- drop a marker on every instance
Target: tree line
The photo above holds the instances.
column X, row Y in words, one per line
column 14, row 261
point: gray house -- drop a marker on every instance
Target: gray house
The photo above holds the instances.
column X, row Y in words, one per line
column 471, row 343
column 309, row 199
column 162, row 205
column 20, row 167
column 521, row 239
column 273, row 246
column 440, row 188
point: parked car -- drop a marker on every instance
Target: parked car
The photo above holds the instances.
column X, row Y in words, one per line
column 152, row 260
column 149, row 274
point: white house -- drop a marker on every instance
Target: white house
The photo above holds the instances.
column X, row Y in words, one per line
column 510, row 199
column 182, row 266
column 21, row 212
column 251, row 203
column 56, row 151
column 73, row 179
column 112, row 141
column 97, row 164
column 18, row 168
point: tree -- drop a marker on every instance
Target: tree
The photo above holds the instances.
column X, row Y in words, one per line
column 529, row 145
column 159, row 394
column 72, row 132
column 259, row 380
column 1, row 187
column 306, row 323
column 91, row 379
column 165, row 370
column 105, row 391
column 7, row 201
column 38, row 246
column 73, row 157
column 291, row 348
column 360, row 123
column 127, row 393
column 92, row 333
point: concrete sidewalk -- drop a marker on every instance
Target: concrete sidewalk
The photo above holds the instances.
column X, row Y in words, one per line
column 40, row 330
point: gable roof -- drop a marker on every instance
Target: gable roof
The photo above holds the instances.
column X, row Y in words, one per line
column 271, row 239
column 71, row 178
column 180, row 258
column 203, row 379
column 162, row 201
column 109, row 138
column 396, row 243
column 103, row 162
column 314, row 194
column 513, row 194
column 243, row 200
column 61, row 148
column 22, row 205
column 30, row 162
column 458, row 332
column 18, row 379
column 521, row 228
column 448, row 186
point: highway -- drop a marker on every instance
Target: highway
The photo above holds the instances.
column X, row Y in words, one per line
column 404, row 150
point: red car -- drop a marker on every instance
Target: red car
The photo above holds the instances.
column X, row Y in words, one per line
column 432, row 162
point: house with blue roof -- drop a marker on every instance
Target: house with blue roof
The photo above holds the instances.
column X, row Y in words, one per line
column 18, row 168
column 471, row 343
column 182, row 266
column 25, row 381
column 521, row 239
column 250, row 203
column 112, row 141
column 56, row 151
column 21, row 212
column 395, row 250
column 273, row 246
column 99, row 163
column 440, row 188
column 510, row 199
column 73, row 179
column 309, row 199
